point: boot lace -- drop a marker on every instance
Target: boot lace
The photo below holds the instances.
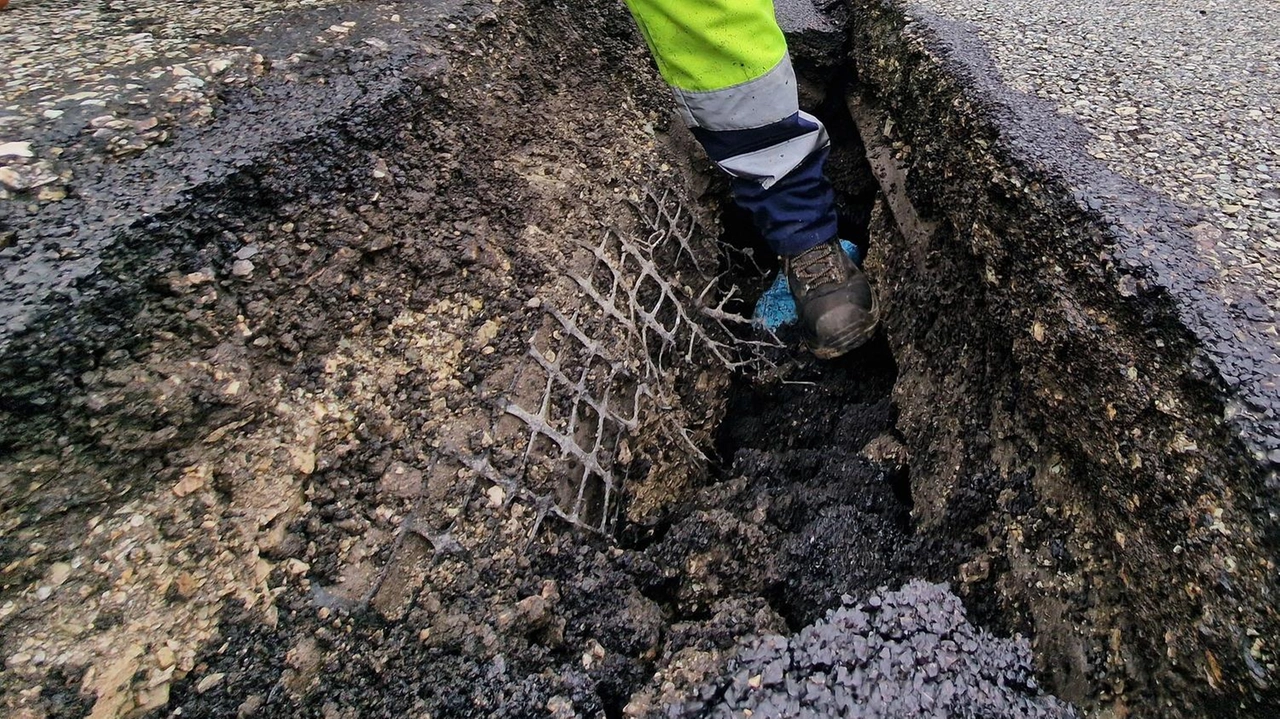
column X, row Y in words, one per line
column 818, row 266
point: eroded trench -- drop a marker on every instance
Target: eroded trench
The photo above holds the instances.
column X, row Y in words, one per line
column 442, row 428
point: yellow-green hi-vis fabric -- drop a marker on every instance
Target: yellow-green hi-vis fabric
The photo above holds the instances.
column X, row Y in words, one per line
column 727, row 63
column 704, row 45
column 726, row 60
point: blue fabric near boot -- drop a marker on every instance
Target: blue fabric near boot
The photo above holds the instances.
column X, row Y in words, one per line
column 776, row 308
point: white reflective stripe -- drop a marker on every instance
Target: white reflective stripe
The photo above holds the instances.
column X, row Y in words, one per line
column 773, row 163
column 755, row 103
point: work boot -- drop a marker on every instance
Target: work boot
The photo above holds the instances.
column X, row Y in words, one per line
column 834, row 301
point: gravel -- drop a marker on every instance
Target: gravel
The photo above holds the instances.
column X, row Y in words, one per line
column 898, row 654
column 1181, row 98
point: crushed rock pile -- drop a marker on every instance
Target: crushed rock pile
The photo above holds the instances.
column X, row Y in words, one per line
column 910, row 653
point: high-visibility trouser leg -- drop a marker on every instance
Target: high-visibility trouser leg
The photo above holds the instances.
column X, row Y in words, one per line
column 727, row 62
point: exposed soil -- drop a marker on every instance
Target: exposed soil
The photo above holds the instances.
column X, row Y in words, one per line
column 579, row 627
column 503, row 629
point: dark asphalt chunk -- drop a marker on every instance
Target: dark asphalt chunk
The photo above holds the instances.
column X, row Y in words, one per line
column 73, row 269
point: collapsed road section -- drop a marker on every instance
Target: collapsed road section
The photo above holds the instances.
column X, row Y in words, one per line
column 1093, row 358
column 388, row 382
column 388, row 360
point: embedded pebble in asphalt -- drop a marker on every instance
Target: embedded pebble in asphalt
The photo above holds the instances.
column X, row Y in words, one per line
column 48, row 46
column 119, row 76
column 1181, row 98
column 910, row 653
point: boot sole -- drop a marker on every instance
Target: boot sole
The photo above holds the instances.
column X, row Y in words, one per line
column 851, row 339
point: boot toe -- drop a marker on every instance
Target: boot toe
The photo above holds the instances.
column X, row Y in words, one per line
column 836, row 305
column 841, row 323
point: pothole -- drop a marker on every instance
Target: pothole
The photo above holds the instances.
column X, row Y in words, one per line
column 466, row 421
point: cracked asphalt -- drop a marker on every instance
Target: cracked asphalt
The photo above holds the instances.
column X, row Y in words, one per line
column 1179, row 97
column 76, row 69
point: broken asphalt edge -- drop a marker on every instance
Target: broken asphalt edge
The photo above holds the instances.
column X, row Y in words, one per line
column 130, row 223
column 1100, row 354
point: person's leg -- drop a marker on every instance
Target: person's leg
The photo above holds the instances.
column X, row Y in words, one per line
column 727, row 62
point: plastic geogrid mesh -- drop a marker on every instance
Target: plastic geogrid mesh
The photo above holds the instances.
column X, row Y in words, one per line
column 653, row 307
column 566, row 444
